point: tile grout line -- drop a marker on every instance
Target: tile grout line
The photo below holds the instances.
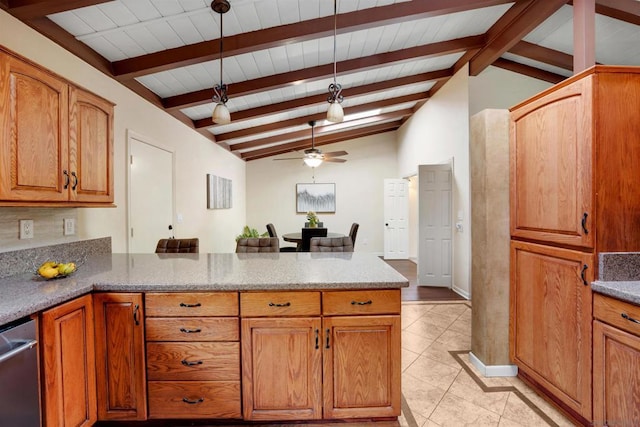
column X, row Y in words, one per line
column 406, row 411
column 487, row 389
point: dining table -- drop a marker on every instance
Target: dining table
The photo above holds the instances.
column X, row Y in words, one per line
column 297, row 236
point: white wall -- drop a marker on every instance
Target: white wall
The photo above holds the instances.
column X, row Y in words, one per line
column 195, row 155
column 271, row 189
column 501, row 89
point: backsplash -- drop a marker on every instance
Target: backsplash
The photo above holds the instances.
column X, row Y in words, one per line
column 619, row 266
column 26, row 260
column 48, row 225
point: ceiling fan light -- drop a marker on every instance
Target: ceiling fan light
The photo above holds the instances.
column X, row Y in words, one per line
column 221, row 115
column 312, row 162
column 335, row 113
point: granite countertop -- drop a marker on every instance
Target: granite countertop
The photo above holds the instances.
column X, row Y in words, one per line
column 619, row 276
column 24, row 294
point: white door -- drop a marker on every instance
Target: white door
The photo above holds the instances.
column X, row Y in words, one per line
column 396, row 221
column 150, row 195
column 435, row 244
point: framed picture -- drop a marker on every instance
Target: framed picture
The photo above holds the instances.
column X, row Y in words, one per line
column 320, row 198
column 218, row 192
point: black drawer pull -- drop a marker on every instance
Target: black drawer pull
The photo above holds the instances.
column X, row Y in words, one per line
column 317, row 339
column 66, row 179
column 190, row 331
column 75, row 180
column 191, row 363
column 328, row 335
column 361, row 302
column 192, row 402
column 273, row 304
column 136, row 310
column 630, row 319
column 182, row 304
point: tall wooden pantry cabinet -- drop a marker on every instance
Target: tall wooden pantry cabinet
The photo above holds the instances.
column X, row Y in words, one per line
column 574, row 188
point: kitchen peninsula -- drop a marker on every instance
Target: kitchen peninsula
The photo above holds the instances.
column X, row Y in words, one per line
column 269, row 337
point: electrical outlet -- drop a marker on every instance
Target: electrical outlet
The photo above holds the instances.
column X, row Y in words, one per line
column 26, row 229
column 69, row 226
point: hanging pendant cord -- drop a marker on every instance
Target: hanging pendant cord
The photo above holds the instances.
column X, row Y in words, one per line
column 335, row 32
column 221, row 49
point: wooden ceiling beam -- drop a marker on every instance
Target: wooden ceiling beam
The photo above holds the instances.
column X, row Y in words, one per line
column 254, row 113
column 322, row 140
column 543, row 54
column 622, row 10
column 281, row 80
column 517, row 22
column 527, row 70
column 319, row 131
column 297, row 121
column 31, row 9
column 291, row 33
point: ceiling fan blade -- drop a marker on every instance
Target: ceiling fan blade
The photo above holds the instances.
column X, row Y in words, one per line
column 291, row 158
column 335, row 154
column 335, row 160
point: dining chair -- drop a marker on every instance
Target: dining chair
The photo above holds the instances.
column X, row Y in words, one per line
column 353, row 232
column 257, row 244
column 167, row 246
column 271, row 229
column 307, row 234
column 331, row 244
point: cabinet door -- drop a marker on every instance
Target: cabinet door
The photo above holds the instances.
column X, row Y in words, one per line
column 551, row 167
column 69, row 364
column 616, row 376
column 120, row 366
column 90, row 147
column 361, row 366
column 34, row 127
column 281, row 368
column 550, row 320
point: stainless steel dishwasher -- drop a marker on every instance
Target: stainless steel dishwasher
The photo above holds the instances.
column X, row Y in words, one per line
column 19, row 390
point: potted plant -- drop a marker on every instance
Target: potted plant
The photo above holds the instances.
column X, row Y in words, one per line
column 250, row 232
column 313, row 219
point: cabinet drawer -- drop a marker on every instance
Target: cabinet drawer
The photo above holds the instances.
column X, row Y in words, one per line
column 194, row 399
column 617, row 313
column 361, row 302
column 191, row 304
column 192, row 329
column 204, row 361
column 280, row 304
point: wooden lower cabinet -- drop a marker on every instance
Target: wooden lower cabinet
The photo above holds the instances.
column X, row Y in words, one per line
column 616, row 363
column 68, row 356
column 120, row 361
column 551, row 322
column 282, row 368
column 361, row 366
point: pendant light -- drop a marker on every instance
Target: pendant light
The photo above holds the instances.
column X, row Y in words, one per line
column 335, row 113
column 313, row 156
column 221, row 113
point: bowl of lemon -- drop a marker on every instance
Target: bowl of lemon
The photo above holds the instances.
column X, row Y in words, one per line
column 55, row 270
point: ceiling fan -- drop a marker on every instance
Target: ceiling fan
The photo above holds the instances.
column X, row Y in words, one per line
column 314, row 157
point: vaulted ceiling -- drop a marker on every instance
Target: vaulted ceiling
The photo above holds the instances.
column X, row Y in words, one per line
column 392, row 55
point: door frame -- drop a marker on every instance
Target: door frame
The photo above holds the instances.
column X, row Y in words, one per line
column 131, row 135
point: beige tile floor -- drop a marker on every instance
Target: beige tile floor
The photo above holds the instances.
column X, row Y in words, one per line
column 441, row 388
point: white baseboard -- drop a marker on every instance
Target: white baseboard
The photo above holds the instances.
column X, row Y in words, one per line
column 493, row 370
column 462, row 293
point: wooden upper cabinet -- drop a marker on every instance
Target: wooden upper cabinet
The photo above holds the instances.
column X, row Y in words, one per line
column 551, row 167
column 120, row 356
column 57, row 140
column 90, row 147
column 34, row 109
column 68, row 355
column 575, row 162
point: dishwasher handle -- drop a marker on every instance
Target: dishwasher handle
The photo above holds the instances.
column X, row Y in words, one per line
column 8, row 355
